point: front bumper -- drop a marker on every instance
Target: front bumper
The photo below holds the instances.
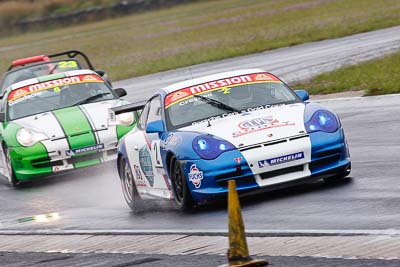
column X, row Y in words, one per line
column 329, row 157
column 31, row 162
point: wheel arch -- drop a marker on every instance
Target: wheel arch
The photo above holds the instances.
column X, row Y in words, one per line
column 119, row 157
column 168, row 158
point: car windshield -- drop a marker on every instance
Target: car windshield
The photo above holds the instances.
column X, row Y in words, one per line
column 56, row 94
column 214, row 99
column 37, row 70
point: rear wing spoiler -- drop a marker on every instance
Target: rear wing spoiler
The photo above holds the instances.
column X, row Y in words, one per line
column 129, row 107
column 137, row 106
column 43, row 58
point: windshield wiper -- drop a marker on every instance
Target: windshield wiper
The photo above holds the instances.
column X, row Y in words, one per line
column 90, row 98
column 216, row 103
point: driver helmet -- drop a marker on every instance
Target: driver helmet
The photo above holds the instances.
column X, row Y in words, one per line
column 241, row 96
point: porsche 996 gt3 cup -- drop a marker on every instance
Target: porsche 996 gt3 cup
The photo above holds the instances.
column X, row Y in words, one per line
column 59, row 122
column 194, row 136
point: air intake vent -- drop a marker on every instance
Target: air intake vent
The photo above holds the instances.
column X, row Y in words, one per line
column 266, row 175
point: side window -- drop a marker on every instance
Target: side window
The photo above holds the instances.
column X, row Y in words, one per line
column 143, row 116
column 155, row 110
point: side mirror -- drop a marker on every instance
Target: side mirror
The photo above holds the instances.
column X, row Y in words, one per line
column 303, row 94
column 104, row 75
column 2, row 116
column 155, row 127
column 100, row 72
column 120, row 92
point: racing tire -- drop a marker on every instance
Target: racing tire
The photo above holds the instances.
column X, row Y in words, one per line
column 11, row 177
column 131, row 195
column 180, row 189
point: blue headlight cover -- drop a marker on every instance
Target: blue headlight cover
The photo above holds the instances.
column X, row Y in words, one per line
column 208, row 147
column 322, row 120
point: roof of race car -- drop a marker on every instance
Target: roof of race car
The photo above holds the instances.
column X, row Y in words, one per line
column 56, row 76
column 212, row 77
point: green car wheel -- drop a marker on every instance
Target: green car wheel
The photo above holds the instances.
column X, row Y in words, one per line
column 11, row 176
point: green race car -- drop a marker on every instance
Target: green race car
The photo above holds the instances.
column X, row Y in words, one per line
column 59, row 122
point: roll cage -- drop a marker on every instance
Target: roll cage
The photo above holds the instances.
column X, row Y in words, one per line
column 47, row 58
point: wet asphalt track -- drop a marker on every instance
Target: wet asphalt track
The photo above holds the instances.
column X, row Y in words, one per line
column 130, row 260
column 91, row 198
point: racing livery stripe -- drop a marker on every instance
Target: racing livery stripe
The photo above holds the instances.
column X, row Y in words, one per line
column 97, row 114
column 98, row 139
column 91, row 123
column 76, row 127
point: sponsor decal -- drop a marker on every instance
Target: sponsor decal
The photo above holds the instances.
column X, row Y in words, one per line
column 146, row 165
column 178, row 95
column 81, row 150
column 56, row 169
column 260, row 124
column 195, row 176
column 238, row 160
column 242, row 113
column 222, row 84
column 139, row 178
column 87, row 78
column 34, row 88
column 225, row 115
column 280, row 160
column 264, row 77
column 62, row 168
column 19, row 92
column 24, row 97
column 192, row 99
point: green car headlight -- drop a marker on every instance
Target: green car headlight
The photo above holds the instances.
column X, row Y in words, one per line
column 125, row 119
column 28, row 137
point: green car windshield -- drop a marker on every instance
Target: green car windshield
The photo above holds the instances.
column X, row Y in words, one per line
column 56, row 94
column 217, row 99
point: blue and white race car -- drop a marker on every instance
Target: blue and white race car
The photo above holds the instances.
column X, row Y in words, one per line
column 194, row 136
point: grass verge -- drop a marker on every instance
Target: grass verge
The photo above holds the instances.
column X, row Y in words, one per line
column 11, row 10
column 203, row 31
column 375, row 77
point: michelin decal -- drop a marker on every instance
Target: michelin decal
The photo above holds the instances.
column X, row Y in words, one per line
column 280, row 160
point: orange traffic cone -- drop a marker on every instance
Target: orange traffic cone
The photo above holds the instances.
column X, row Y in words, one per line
column 238, row 253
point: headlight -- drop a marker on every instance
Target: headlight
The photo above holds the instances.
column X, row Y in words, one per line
column 322, row 120
column 27, row 137
column 209, row 147
column 125, row 119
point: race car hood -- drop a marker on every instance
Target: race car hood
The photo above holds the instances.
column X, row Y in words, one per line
column 72, row 120
column 262, row 125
